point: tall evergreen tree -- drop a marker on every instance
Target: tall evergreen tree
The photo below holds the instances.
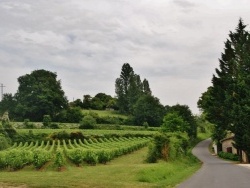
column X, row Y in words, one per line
column 122, row 87
column 146, row 88
column 227, row 101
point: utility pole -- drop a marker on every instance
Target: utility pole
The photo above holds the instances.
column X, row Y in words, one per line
column 2, row 86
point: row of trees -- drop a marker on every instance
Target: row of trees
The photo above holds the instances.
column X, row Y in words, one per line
column 227, row 102
column 100, row 101
column 134, row 97
column 40, row 93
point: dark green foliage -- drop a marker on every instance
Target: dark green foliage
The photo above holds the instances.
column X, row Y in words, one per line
column 148, row 109
column 101, row 101
column 76, row 135
column 8, row 103
column 46, row 120
column 172, row 122
column 4, row 142
column 62, row 135
column 70, row 115
column 39, row 93
column 168, row 147
column 134, row 97
column 8, row 129
column 230, row 156
column 77, row 103
column 189, row 125
column 88, row 122
column 227, row 102
column 129, row 88
column 87, row 101
column 145, row 125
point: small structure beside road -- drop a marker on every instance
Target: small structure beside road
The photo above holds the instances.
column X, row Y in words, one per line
column 228, row 146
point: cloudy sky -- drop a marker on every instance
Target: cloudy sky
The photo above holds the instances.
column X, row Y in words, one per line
column 174, row 44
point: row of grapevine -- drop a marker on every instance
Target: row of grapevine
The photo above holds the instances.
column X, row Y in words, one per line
column 102, row 151
column 91, row 151
column 20, row 155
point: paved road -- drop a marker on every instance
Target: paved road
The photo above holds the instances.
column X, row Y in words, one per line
column 216, row 173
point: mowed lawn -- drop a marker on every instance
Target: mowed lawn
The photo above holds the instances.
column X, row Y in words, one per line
column 126, row 171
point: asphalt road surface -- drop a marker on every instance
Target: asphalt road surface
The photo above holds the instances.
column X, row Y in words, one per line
column 215, row 172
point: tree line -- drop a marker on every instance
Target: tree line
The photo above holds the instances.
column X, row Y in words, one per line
column 40, row 95
column 226, row 103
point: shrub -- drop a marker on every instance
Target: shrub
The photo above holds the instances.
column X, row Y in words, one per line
column 229, row 156
column 46, row 120
column 145, row 125
column 62, row 135
column 71, row 115
column 76, row 135
column 4, row 142
column 88, row 122
column 168, row 147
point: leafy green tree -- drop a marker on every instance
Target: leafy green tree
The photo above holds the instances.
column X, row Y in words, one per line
column 88, row 122
column 77, row 103
column 173, row 122
column 46, row 120
column 146, row 88
column 148, row 109
column 8, row 103
column 70, row 115
column 39, row 93
column 185, row 113
column 86, row 101
column 129, row 88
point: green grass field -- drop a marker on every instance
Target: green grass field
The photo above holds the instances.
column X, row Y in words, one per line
column 126, row 171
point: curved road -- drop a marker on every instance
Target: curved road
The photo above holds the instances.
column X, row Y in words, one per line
column 216, row 173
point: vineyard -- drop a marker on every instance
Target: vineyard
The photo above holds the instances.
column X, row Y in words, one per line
column 59, row 152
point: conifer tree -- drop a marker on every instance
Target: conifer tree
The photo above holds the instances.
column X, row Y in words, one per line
column 227, row 101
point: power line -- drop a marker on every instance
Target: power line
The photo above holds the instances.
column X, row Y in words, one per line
column 2, row 86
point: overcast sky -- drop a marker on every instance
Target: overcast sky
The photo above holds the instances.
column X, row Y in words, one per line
column 174, row 44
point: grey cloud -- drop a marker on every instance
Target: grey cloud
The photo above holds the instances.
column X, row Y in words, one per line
column 184, row 3
column 174, row 44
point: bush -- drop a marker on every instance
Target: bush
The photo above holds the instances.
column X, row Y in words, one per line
column 4, row 142
column 71, row 115
column 145, row 125
column 62, row 135
column 88, row 122
column 168, row 147
column 46, row 120
column 229, row 156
